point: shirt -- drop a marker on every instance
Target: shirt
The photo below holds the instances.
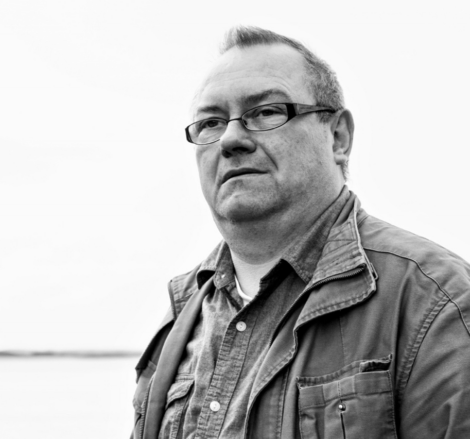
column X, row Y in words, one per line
column 211, row 392
column 246, row 299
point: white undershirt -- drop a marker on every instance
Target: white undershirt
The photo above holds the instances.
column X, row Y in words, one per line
column 246, row 299
column 248, row 276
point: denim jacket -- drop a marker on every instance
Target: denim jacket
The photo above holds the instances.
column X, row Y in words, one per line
column 380, row 349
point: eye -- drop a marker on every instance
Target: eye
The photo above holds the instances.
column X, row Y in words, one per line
column 210, row 124
column 267, row 111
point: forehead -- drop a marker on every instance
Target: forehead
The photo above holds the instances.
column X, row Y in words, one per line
column 243, row 72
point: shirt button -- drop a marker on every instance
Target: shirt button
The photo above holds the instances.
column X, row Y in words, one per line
column 241, row 326
column 214, row 406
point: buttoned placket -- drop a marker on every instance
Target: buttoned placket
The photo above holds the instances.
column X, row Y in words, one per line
column 229, row 364
column 226, row 373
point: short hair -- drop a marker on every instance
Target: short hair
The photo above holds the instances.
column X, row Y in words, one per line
column 324, row 84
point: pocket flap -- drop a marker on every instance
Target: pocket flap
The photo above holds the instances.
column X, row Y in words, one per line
column 179, row 389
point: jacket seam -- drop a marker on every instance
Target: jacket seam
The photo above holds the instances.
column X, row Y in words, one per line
column 172, row 299
column 275, row 368
column 280, row 408
column 366, row 215
column 410, row 358
column 184, row 299
column 390, row 395
column 342, row 337
column 267, row 378
column 333, row 307
column 442, row 290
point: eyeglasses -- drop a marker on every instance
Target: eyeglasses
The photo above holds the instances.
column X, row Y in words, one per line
column 262, row 118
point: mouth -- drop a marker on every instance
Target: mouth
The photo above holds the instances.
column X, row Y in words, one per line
column 240, row 171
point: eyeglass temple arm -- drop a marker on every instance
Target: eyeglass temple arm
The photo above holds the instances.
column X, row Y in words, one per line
column 303, row 108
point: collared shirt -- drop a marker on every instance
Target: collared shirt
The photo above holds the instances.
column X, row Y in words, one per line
column 211, row 392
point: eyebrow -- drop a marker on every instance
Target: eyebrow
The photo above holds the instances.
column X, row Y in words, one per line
column 261, row 96
column 250, row 100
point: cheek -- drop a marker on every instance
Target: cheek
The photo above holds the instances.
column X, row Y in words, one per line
column 317, row 149
column 207, row 168
column 303, row 152
column 308, row 158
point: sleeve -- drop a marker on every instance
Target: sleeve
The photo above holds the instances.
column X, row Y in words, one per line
column 436, row 400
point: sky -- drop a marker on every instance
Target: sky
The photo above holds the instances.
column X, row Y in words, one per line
column 100, row 204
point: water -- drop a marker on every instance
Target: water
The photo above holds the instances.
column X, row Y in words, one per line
column 66, row 398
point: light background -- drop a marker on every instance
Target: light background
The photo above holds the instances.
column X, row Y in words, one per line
column 99, row 196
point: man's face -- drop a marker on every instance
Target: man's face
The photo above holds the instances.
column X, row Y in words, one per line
column 248, row 175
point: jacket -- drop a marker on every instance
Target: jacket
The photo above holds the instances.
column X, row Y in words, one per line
column 379, row 349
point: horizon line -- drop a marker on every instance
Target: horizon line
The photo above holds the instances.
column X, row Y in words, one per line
column 81, row 353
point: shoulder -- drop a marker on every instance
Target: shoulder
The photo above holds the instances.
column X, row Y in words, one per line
column 435, row 260
column 416, row 262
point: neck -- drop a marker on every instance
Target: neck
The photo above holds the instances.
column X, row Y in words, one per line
column 249, row 275
column 262, row 240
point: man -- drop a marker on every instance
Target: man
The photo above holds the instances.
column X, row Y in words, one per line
column 312, row 319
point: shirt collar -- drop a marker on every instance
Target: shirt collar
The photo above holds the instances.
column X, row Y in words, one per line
column 303, row 255
column 219, row 262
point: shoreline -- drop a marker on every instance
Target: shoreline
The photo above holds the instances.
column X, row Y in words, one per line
column 67, row 354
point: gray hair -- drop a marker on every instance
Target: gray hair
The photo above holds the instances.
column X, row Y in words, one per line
column 323, row 81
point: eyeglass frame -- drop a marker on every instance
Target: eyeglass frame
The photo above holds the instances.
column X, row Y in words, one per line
column 293, row 110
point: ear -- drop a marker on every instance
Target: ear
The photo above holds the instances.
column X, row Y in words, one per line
column 342, row 129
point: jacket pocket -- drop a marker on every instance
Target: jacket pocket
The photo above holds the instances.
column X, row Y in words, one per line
column 176, row 404
column 359, row 406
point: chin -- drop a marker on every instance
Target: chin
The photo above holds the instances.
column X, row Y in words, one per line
column 245, row 212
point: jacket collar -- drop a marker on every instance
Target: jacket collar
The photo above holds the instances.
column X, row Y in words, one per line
column 343, row 257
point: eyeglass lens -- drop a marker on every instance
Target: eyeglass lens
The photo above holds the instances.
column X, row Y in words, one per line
column 265, row 117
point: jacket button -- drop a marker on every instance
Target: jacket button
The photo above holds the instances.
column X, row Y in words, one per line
column 241, row 326
column 342, row 407
column 214, row 406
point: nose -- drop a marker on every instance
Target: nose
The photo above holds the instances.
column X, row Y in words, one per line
column 236, row 139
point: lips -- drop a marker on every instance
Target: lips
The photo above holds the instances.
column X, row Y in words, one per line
column 240, row 171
